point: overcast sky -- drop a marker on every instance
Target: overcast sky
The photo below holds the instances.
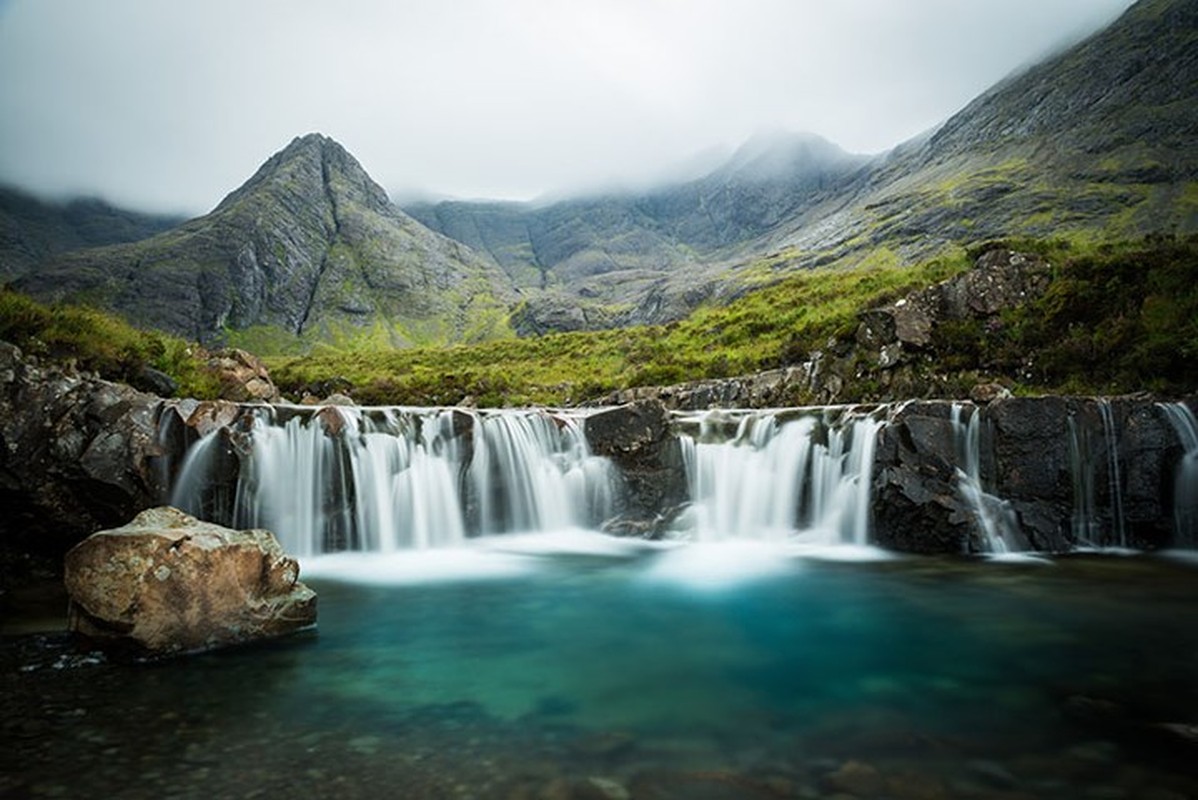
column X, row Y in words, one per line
column 170, row 105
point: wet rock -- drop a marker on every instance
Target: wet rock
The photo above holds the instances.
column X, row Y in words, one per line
column 638, row 439
column 168, row 583
column 916, row 505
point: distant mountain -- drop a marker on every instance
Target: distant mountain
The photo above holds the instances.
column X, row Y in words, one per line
column 598, row 258
column 308, row 249
column 1101, row 139
column 33, row 229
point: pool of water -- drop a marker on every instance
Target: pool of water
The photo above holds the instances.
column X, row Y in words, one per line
column 581, row 666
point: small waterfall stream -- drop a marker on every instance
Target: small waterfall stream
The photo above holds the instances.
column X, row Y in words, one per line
column 1092, row 526
column 996, row 521
column 1185, row 484
column 775, row 479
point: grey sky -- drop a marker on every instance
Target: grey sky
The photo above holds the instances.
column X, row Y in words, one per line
column 170, row 105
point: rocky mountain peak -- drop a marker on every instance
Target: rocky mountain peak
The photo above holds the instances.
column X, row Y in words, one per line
column 309, row 167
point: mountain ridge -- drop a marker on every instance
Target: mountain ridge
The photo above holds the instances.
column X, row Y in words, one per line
column 309, row 248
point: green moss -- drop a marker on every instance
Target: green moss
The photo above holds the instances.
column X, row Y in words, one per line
column 101, row 342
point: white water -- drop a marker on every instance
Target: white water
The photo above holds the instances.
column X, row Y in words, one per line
column 1114, row 476
column 384, row 480
column 1088, row 527
column 995, row 519
column 808, row 478
column 1185, row 482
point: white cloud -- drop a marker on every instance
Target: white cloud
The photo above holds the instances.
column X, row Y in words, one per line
column 171, row 105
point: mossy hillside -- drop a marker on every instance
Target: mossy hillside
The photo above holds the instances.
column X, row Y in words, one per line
column 1118, row 317
column 760, row 330
column 102, row 343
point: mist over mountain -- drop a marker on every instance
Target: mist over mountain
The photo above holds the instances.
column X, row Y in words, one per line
column 32, row 229
column 1100, row 140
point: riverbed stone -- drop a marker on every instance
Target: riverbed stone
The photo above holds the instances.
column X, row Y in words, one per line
column 169, row 583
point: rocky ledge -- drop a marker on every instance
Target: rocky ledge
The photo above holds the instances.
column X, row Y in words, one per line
column 169, row 583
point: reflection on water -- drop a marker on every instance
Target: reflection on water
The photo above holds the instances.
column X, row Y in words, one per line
column 527, row 669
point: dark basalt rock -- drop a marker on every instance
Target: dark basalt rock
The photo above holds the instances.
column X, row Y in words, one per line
column 638, row 439
column 76, row 454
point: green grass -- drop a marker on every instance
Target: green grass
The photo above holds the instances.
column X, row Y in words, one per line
column 766, row 328
column 1116, row 318
column 101, row 342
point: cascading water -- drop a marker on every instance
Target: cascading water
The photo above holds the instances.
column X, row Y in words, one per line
column 1090, row 527
column 392, row 479
column 996, row 521
column 1114, row 476
column 806, row 478
column 1185, row 484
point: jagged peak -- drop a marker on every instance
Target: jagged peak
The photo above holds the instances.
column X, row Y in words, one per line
column 317, row 159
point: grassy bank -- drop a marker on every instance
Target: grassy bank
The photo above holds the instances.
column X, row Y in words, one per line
column 101, row 342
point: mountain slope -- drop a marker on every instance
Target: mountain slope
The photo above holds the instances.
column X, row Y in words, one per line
column 308, row 249
column 598, row 258
column 1099, row 141
column 32, row 229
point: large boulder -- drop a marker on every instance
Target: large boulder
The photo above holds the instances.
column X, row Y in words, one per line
column 169, row 583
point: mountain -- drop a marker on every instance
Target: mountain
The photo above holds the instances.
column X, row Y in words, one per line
column 1099, row 140
column 598, row 258
column 32, row 229
column 308, row 249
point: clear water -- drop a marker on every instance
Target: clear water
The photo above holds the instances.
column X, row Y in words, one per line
column 525, row 666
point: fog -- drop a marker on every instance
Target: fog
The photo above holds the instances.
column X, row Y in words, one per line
column 169, row 106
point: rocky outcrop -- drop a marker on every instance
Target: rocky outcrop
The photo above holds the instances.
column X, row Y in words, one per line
column 892, row 355
column 1067, row 477
column 76, row 454
column 168, row 583
column 637, row 437
column 243, row 377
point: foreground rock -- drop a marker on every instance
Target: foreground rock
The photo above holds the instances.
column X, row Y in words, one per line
column 170, row 583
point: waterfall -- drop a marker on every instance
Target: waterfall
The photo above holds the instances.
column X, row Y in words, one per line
column 1114, row 476
column 381, row 480
column 996, row 521
column 1084, row 519
column 1086, row 523
column 806, row 478
column 1185, row 482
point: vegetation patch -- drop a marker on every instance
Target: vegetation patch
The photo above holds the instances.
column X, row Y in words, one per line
column 102, row 343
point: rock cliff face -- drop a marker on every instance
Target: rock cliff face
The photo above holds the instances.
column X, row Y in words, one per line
column 309, row 246
column 76, row 454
